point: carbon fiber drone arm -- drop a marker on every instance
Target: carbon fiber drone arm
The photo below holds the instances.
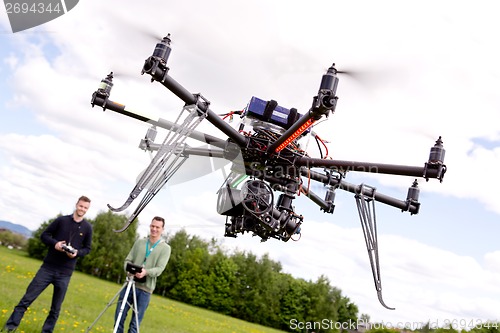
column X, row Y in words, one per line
column 409, row 206
column 156, row 67
column 106, row 104
column 392, row 169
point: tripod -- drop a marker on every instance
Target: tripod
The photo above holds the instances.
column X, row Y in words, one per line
column 129, row 285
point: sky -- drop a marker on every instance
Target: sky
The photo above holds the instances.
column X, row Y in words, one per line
column 425, row 69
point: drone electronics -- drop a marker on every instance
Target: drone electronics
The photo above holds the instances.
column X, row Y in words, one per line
column 266, row 159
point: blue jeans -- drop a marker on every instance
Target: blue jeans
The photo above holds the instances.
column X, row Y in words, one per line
column 43, row 278
column 142, row 297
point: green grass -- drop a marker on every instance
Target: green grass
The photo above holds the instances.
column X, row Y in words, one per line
column 88, row 296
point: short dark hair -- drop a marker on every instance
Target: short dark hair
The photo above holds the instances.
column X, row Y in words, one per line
column 161, row 219
column 84, row 198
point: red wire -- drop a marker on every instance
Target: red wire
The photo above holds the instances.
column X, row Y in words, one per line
column 228, row 115
column 324, row 145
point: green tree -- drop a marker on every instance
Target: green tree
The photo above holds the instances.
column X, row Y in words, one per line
column 36, row 248
column 169, row 278
column 109, row 249
column 448, row 329
column 268, row 290
column 183, row 278
column 294, row 301
column 324, row 301
column 347, row 311
column 9, row 238
column 427, row 328
column 257, row 291
column 218, row 282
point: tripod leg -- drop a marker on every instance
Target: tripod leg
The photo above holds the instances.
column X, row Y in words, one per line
column 136, row 310
column 107, row 306
column 124, row 302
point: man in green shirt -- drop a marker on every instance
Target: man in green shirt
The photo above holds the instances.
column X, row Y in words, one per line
column 152, row 253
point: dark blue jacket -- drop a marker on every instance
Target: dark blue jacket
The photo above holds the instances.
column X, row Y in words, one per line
column 77, row 234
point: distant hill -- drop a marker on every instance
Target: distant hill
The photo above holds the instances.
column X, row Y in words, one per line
column 16, row 228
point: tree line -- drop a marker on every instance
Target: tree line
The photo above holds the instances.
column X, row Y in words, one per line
column 204, row 274
column 12, row 239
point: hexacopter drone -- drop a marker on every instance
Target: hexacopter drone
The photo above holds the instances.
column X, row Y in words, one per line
column 266, row 158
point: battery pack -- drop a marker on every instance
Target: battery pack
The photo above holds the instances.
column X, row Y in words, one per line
column 271, row 112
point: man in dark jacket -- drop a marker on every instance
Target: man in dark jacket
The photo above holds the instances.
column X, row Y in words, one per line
column 68, row 237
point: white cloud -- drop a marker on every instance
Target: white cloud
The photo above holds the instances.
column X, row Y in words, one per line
column 11, row 61
column 492, row 261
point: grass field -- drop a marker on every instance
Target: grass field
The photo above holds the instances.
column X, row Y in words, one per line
column 87, row 297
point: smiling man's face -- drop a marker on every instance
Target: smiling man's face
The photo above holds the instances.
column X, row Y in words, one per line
column 156, row 228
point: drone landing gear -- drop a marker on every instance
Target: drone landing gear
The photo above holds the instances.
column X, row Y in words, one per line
column 165, row 163
column 366, row 209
